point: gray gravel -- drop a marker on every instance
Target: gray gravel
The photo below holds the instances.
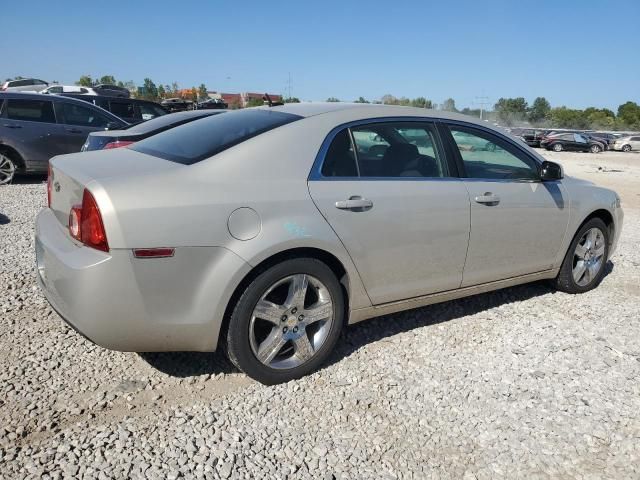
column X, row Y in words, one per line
column 523, row 382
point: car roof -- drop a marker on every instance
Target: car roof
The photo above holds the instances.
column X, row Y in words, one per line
column 360, row 111
column 103, row 97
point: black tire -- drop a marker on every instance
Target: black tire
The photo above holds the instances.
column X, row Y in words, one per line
column 626, row 148
column 236, row 337
column 565, row 281
column 595, row 149
column 557, row 147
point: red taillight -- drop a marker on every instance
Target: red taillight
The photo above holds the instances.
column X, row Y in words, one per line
column 49, row 182
column 116, row 144
column 85, row 223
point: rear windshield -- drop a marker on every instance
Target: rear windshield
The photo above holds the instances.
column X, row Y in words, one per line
column 167, row 121
column 195, row 141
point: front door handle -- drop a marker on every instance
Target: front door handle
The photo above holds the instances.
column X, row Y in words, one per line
column 355, row 203
column 488, row 199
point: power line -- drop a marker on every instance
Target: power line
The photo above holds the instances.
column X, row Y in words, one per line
column 484, row 101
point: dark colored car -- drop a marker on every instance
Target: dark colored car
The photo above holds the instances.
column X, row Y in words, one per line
column 122, row 138
column 213, row 104
column 112, row 91
column 131, row 110
column 532, row 136
column 35, row 127
column 573, row 142
column 609, row 138
column 177, row 104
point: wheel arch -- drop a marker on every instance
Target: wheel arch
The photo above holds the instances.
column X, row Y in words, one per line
column 324, row 256
column 14, row 154
column 604, row 215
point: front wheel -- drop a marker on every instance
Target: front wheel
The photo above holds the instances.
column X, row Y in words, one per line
column 557, row 147
column 583, row 266
column 595, row 149
column 287, row 321
column 626, row 148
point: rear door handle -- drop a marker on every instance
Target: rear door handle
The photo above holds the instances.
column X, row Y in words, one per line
column 74, row 130
column 488, row 199
column 354, row 203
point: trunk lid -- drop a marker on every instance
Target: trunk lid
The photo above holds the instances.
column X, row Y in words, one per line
column 72, row 173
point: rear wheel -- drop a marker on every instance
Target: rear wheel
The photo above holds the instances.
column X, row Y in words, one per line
column 595, row 149
column 583, row 265
column 626, row 148
column 557, row 147
column 7, row 168
column 287, row 321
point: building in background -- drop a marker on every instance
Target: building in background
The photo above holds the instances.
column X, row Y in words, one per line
column 241, row 100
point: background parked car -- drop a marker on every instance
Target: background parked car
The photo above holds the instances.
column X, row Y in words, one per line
column 177, row 104
column 626, row 144
column 531, row 136
column 24, row 85
column 55, row 89
column 111, row 90
column 573, row 142
column 131, row 110
column 606, row 137
column 213, row 103
column 34, row 128
column 121, row 138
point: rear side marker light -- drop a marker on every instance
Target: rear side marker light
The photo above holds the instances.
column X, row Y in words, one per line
column 153, row 252
column 117, row 144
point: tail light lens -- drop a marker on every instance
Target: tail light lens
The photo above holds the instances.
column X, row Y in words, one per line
column 116, row 144
column 85, row 223
column 49, row 182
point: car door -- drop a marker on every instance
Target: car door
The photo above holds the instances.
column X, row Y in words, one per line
column 30, row 127
column 518, row 222
column 78, row 122
column 388, row 192
column 581, row 142
column 635, row 143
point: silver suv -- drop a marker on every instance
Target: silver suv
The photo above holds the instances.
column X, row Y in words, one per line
column 24, row 85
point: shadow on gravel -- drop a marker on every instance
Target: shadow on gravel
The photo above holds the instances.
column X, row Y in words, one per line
column 4, row 219
column 369, row 331
column 29, row 179
column 189, row 364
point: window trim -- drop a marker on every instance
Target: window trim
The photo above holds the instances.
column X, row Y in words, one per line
column 515, row 150
column 316, row 170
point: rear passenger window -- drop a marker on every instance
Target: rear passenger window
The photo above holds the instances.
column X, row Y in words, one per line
column 122, row 109
column 487, row 156
column 30, row 110
column 82, row 116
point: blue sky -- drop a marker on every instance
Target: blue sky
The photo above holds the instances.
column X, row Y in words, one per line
column 576, row 53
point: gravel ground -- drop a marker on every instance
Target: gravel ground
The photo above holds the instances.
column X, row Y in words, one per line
column 523, row 382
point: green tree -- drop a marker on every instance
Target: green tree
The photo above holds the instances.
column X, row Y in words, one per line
column 291, row 100
column 202, row 92
column 255, row 102
column 563, row 117
column 449, row 105
column 85, row 81
column 333, row 99
column 511, row 110
column 539, row 111
column 421, row 102
column 389, row 99
column 473, row 112
column 149, row 89
column 629, row 115
column 107, row 80
column 361, row 100
column 161, row 92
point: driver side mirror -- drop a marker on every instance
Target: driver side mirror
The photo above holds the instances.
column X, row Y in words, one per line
column 551, row 171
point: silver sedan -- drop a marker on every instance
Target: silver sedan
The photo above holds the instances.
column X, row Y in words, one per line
column 265, row 231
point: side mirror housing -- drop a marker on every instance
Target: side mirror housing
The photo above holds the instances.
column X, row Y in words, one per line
column 550, row 171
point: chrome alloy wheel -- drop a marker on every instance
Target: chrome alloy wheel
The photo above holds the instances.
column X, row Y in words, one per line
column 588, row 257
column 7, row 169
column 291, row 321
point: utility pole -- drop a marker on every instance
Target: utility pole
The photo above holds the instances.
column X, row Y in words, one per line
column 289, row 86
column 483, row 101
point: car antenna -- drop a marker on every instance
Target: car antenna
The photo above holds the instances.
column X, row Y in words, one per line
column 270, row 102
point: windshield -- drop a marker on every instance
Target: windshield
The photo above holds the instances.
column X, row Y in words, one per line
column 195, row 141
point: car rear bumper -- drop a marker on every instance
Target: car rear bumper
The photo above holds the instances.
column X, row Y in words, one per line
column 125, row 303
